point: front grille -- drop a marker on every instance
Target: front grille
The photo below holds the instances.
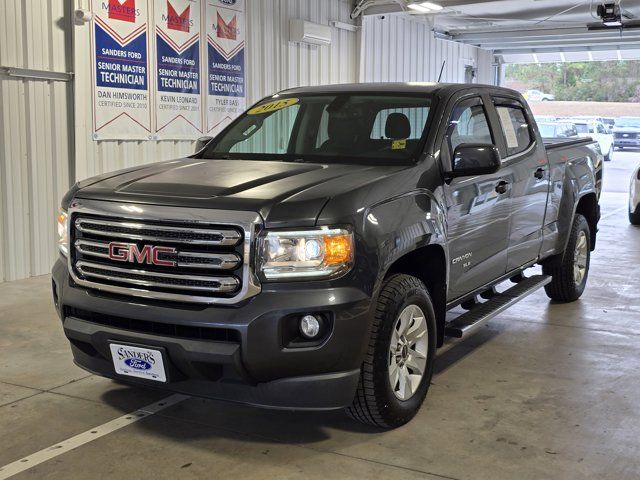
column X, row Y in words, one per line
column 172, row 260
column 158, row 328
column 626, row 136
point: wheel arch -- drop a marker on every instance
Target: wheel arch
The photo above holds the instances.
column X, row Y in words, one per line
column 428, row 264
column 588, row 207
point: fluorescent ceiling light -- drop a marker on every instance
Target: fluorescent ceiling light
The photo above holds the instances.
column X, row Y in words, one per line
column 432, row 6
column 425, row 7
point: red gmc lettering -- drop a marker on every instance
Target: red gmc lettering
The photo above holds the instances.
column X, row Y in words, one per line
column 129, row 252
column 119, row 251
column 141, row 256
column 165, row 263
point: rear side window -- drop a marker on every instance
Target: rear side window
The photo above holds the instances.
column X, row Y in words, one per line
column 469, row 124
column 516, row 129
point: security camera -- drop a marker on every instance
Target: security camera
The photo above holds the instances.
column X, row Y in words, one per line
column 611, row 14
column 81, row 16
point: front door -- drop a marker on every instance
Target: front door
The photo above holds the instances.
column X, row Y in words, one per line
column 478, row 206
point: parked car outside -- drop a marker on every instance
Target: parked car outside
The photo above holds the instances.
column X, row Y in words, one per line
column 609, row 122
column 538, row 96
column 557, row 130
column 626, row 133
column 545, row 118
column 634, row 198
column 597, row 131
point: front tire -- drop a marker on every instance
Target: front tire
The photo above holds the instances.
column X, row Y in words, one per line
column 570, row 270
column 634, row 217
column 398, row 365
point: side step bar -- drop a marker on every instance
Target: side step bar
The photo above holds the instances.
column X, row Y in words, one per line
column 470, row 321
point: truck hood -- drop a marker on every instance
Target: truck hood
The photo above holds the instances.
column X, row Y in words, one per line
column 626, row 130
column 280, row 192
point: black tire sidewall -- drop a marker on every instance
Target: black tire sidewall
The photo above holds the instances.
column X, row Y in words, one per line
column 394, row 410
column 581, row 225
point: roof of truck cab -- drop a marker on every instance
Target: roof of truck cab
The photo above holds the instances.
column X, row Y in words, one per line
column 403, row 88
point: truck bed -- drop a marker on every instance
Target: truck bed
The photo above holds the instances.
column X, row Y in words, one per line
column 562, row 142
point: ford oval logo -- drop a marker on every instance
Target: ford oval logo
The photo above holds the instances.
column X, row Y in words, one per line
column 137, row 364
column 228, row 2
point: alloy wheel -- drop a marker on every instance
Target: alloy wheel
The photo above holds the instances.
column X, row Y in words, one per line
column 408, row 352
column 580, row 258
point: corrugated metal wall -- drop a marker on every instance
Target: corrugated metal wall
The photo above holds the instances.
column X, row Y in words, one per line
column 35, row 126
column 396, row 48
column 275, row 64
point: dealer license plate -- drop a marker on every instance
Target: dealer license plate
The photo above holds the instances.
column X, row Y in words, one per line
column 139, row 362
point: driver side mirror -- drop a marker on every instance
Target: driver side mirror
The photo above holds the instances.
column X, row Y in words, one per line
column 471, row 159
column 201, row 143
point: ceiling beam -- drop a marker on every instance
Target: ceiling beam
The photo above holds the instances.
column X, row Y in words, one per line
column 558, row 45
column 533, row 34
column 560, row 49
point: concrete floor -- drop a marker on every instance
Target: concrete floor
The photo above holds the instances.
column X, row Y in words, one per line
column 546, row 391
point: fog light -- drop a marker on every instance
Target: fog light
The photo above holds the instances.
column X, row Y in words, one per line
column 310, row 326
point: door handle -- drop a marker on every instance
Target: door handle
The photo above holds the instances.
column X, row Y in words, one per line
column 539, row 173
column 502, row 187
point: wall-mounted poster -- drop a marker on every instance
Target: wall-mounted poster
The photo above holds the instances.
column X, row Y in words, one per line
column 178, row 99
column 121, row 72
column 225, row 29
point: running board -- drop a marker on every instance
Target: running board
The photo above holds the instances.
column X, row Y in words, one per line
column 470, row 321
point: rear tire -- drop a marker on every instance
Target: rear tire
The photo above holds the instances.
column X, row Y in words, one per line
column 570, row 270
column 396, row 339
column 634, row 217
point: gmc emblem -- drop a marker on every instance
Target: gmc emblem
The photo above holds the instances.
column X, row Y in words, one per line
column 129, row 252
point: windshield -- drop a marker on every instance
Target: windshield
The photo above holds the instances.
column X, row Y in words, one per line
column 322, row 128
column 547, row 130
column 628, row 122
column 583, row 128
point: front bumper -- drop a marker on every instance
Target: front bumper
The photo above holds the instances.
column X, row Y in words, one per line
column 251, row 365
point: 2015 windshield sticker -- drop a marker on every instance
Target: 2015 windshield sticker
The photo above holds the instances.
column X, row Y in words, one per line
column 273, row 106
column 398, row 145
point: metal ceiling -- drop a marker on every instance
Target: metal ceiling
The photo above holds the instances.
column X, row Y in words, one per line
column 522, row 31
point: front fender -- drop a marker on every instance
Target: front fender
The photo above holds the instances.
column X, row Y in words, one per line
column 403, row 224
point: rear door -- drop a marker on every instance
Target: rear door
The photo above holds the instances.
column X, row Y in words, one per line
column 478, row 210
column 526, row 158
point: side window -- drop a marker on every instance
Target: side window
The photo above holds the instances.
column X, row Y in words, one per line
column 515, row 127
column 601, row 128
column 469, row 124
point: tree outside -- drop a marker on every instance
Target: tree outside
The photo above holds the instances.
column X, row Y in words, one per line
column 617, row 81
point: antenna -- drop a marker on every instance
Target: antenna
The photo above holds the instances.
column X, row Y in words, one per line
column 444, row 62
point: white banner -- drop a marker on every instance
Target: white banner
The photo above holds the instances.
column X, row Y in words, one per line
column 177, row 68
column 119, row 39
column 225, row 29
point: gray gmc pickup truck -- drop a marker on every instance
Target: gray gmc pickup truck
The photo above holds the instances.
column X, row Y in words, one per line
column 307, row 256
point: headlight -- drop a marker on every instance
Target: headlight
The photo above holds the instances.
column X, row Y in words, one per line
column 305, row 254
column 63, row 237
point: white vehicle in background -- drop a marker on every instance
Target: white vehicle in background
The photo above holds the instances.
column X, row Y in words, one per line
column 557, row 130
column 599, row 132
column 538, row 96
column 634, row 199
